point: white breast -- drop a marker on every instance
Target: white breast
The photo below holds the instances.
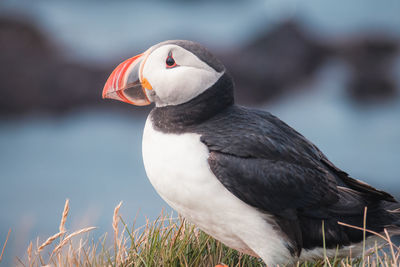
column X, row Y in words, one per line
column 177, row 167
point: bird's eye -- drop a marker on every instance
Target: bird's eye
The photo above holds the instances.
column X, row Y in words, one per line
column 170, row 61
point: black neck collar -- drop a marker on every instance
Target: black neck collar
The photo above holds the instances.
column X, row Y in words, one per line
column 177, row 119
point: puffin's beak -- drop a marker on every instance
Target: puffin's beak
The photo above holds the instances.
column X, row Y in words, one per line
column 124, row 83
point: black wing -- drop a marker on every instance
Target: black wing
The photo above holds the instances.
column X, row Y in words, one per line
column 270, row 166
column 268, row 153
column 276, row 186
column 367, row 190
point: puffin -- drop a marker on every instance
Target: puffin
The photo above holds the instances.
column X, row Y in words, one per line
column 239, row 174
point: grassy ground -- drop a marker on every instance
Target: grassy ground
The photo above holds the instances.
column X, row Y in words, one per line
column 164, row 242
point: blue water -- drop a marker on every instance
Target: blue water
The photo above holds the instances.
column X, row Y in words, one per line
column 94, row 158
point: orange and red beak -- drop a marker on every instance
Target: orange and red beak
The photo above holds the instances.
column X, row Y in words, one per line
column 125, row 83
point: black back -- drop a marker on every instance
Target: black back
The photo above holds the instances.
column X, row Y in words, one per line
column 273, row 168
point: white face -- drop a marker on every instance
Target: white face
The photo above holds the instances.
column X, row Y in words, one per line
column 179, row 84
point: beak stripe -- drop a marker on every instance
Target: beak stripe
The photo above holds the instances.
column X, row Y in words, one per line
column 116, row 86
column 124, row 69
column 121, row 69
column 142, row 66
column 121, row 95
column 117, row 75
column 128, row 64
column 108, row 83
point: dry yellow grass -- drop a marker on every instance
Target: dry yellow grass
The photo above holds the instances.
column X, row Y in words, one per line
column 49, row 241
column 68, row 237
column 29, row 251
column 166, row 242
column 5, row 244
column 64, row 216
column 56, row 257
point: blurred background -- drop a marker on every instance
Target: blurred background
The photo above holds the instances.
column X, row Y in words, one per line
column 330, row 69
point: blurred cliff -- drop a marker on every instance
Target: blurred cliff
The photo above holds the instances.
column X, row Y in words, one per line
column 36, row 77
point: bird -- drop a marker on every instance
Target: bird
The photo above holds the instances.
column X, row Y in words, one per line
column 240, row 174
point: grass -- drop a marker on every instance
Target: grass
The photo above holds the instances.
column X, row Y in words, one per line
column 167, row 241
